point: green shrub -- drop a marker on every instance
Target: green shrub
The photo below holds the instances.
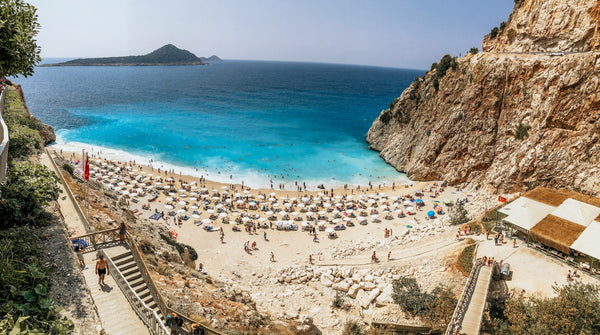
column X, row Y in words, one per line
column 17, row 116
column 502, row 25
column 68, row 167
column 494, row 32
column 473, row 50
column 436, row 307
column 352, row 328
column 522, row 131
column 465, row 259
column 24, row 141
column 180, row 247
column 459, row 214
column 24, row 302
column 29, row 187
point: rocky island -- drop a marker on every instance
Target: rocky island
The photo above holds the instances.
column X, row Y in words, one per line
column 166, row 55
column 522, row 113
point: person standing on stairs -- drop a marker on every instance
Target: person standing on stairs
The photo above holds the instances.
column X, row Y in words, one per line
column 101, row 269
column 122, row 230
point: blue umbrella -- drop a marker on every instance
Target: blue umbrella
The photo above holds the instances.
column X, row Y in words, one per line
column 431, row 214
column 418, row 201
column 79, row 242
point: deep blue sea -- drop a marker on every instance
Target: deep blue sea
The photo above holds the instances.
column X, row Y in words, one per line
column 231, row 121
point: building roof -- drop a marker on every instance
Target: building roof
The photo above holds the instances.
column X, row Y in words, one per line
column 587, row 242
column 525, row 213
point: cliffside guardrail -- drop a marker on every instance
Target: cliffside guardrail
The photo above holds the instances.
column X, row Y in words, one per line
column 467, row 293
column 146, row 314
column 80, row 214
column 3, row 141
column 112, row 235
column 165, row 309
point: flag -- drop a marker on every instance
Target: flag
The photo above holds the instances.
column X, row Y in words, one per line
column 86, row 174
column 80, row 167
column 501, row 199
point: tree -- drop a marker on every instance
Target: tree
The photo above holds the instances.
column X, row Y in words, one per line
column 19, row 25
column 459, row 214
column 473, row 50
column 494, row 32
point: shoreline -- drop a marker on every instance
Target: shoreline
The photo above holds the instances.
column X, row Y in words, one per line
column 252, row 179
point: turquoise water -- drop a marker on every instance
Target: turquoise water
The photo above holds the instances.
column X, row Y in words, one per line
column 231, row 121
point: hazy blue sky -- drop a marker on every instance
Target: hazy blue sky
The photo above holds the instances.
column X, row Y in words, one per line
column 396, row 33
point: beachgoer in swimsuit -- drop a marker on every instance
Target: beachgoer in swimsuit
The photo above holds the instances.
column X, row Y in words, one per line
column 101, row 269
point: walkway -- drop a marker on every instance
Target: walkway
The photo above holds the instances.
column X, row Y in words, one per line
column 115, row 312
column 472, row 321
column 67, row 207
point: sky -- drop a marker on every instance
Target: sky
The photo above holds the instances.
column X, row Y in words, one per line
column 391, row 33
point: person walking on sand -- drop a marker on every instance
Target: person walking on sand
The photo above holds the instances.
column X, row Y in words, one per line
column 389, row 255
column 272, row 257
column 310, row 260
column 101, row 269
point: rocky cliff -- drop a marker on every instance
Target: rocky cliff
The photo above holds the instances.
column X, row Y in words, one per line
column 514, row 117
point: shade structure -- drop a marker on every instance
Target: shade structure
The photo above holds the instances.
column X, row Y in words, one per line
column 556, row 233
column 587, row 243
column 524, row 213
column 577, row 212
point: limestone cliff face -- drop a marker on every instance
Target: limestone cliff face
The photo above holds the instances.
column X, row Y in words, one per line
column 473, row 128
column 549, row 25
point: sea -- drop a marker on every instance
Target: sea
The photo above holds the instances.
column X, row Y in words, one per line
column 261, row 122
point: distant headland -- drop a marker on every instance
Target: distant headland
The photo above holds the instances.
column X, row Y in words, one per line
column 166, row 55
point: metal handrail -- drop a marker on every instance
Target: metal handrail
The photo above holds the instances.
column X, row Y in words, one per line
column 166, row 310
column 146, row 314
column 4, row 140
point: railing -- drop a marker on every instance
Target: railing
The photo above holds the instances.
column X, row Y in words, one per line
column 3, row 141
column 146, row 314
column 100, row 237
column 165, row 309
column 467, row 293
column 80, row 214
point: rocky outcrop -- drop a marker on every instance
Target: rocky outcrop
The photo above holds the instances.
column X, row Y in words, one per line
column 549, row 26
column 506, row 121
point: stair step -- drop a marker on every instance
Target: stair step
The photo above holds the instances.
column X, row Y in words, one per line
column 127, row 266
column 144, row 293
column 135, row 276
column 127, row 272
column 135, row 285
column 124, row 260
column 123, row 255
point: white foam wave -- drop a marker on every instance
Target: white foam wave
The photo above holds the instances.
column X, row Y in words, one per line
column 250, row 178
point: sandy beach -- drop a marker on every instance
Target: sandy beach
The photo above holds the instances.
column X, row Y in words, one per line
column 388, row 221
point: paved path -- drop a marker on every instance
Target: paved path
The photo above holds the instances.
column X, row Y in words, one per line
column 72, row 220
column 472, row 320
column 115, row 312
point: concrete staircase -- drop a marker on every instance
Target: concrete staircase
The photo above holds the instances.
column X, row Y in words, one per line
column 118, row 318
column 128, row 267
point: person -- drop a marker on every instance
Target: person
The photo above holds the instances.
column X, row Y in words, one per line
column 79, row 249
column 310, row 259
column 265, row 235
column 373, row 257
column 122, row 232
column 272, row 257
column 389, row 255
column 515, row 243
column 200, row 266
column 101, row 269
column 569, row 276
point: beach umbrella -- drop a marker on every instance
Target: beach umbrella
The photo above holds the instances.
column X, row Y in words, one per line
column 282, row 213
column 195, row 216
column 194, row 207
column 410, row 208
column 329, row 230
column 269, row 213
column 181, row 211
column 182, row 203
column 133, row 194
column 321, row 223
column 438, row 208
column 206, row 221
column 310, row 213
column 431, row 214
column 172, row 194
column 193, row 198
column 295, row 213
column 223, row 215
column 261, row 219
column 168, row 207
column 305, row 224
column 336, row 221
column 210, row 211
